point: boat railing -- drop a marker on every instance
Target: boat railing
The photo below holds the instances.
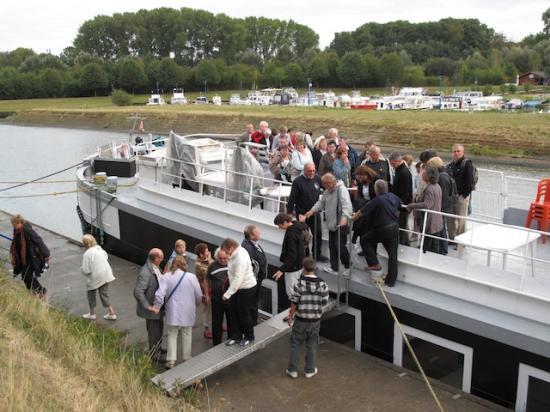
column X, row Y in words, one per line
column 250, row 193
column 497, row 192
column 258, row 150
column 531, row 265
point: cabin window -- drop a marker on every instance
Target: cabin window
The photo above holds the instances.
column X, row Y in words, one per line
column 533, row 393
column 442, row 359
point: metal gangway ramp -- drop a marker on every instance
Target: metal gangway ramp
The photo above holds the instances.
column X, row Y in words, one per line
column 221, row 356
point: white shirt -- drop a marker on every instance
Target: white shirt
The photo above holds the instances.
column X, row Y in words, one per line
column 239, row 272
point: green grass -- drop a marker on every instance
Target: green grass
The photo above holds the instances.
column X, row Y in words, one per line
column 487, row 133
column 51, row 360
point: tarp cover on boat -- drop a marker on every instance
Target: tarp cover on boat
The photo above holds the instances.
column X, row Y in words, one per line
column 179, row 149
column 244, row 165
column 191, row 159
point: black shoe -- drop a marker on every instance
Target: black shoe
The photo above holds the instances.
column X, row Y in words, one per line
column 322, row 258
column 285, row 319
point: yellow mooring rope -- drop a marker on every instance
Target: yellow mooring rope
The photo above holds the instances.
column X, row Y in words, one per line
column 379, row 282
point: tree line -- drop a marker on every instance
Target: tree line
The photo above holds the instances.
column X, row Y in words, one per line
column 195, row 49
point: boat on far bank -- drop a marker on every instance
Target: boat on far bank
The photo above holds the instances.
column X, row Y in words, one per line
column 178, row 97
column 156, row 99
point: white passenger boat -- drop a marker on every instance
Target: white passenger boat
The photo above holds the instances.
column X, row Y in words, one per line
column 156, row 99
column 478, row 318
column 178, row 97
column 235, row 100
column 217, row 100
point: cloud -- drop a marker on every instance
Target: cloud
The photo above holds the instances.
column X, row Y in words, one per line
column 53, row 25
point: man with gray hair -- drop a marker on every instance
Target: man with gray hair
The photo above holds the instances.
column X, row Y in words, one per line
column 146, row 286
column 463, row 172
column 382, row 214
column 402, row 188
column 333, row 135
column 245, row 137
column 259, row 262
column 377, row 163
column 336, row 203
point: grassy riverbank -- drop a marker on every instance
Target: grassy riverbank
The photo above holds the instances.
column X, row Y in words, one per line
column 484, row 133
column 52, row 361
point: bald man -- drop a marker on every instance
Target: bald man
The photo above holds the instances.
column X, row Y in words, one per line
column 146, row 285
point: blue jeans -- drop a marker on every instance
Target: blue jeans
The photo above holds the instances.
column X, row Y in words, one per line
column 307, row 332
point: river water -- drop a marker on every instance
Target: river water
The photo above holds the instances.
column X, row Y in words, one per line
column 31, row 152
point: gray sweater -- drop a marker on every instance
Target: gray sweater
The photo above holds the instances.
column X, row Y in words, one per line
column 329, row 203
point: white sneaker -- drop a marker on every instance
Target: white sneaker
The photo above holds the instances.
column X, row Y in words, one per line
column 109, row 317
column 89, row 317
column 311, row 374
column 292, row 374
column 346, row 273
column 330, row 270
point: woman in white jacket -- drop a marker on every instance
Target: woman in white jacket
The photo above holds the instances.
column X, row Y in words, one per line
column 98, row 274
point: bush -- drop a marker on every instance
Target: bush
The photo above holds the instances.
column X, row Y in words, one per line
column 487, row 90
column 121, row 98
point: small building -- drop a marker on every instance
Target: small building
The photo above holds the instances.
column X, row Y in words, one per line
column 534, row 78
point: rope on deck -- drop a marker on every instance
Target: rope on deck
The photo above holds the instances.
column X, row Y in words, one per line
column 379, row 282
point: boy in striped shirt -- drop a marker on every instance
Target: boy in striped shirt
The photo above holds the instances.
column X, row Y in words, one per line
column 308, row 298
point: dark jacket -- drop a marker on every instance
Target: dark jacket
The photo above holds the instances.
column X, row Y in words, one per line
column 303, row 194
column 381, row 211
column 402, row 184
column 463, row 173
column 36, row 250
column 144, row 292
column 293, row 249
column 218, row 280
column 257, row 255
column 446, row 183
column 316, row 154
column 381, row 168
column 353, row 158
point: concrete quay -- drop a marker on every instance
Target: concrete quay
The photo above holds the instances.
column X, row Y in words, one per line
column 346, row 380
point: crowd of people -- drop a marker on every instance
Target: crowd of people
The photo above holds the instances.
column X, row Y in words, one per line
column 366, row 193
column 329, row 175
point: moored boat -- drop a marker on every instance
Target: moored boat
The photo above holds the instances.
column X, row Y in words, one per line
column 477, row 317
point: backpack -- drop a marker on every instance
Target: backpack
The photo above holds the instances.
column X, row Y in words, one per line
column 453, row 196
column 475, row 175
column 307, row 236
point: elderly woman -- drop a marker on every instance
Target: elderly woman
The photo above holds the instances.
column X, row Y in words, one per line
column 318, row 151
column 180, row 293
column 29, row 255
column 365, row 178
column 99, row 274
column 279, row 164
column 430, row 200
column 180, row 249
column 300, row 157
column 203, row 260
column 449, row 199
column 342, row 167
column 327, row 160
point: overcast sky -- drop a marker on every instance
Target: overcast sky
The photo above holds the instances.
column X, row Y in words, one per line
column 52, row 25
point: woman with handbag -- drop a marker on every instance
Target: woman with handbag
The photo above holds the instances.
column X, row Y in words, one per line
column 180, row 293
column 99, row 274
column 29, row 255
